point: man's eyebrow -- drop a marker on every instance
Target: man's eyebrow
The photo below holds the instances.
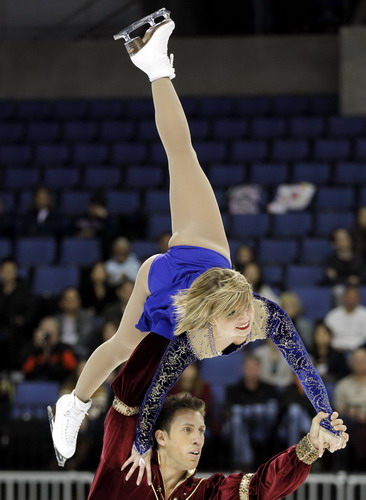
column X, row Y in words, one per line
column 192, row 425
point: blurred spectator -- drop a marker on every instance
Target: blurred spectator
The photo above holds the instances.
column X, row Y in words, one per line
column 95, row 223
column 76, row 324
column 253, row 273
column 344, row 267
column 114, row 311
column 348, row 321
column 330, row 363
column 292, row 305
column 253, row 407
column 96, row 293
column 47, row 358
column 243, row 255
column 350, row 401
column 274, row 369
column 42, row 219
column 17, row 313
column 359, row 233
column 122, row 263
column 163, row 242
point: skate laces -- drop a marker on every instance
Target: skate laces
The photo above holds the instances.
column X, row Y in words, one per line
column 74, row 418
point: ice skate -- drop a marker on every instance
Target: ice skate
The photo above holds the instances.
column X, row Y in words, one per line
column 149, row 53
column 65, row 425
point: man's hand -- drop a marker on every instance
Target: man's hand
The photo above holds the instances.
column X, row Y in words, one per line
column 322, row 439
column 143, row 463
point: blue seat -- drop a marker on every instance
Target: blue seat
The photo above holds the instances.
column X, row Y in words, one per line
column 122, row 202
column 222, row 370
column 128, row 153
column 146, row 131
column 346, row 126
column 253, row 106
column 290, row 150
column 292, row 224
column 143, row 177
column 156, row 200
column 316, row 173
column 139, row 108
column 33, row 110
column 230, row 128
column 15, row 154
column 17, row 178
column 101, row 178
column 200, row 129
column 157, row 153
column 85, row 154
column 215, row 106
column 52, row 280
column 268, row 128
column 323, row 104
column 11, row 132
column 303, row 276
column 360, row 149
column 25, row 199
column 268, row 173
column 276, row 251
column 362, row 197
column 74, row 202
column 106, row 108
column 326, row 222
column 117, row 130
column 43, row 132
column 7, row 110
column 52, row 154
column 32, row 398
column 79, row 251
column 144, row 249
column 315, row 250
column 335, row 198
column 316, row 300
column 8, row 201
column 70, row 109
column 249, row 226
column 224, row 175
column 306, row 126
column 291, row 105
column 273, row 275
column 211, row 151
column 80, row 131
column 331, row 149
column 35, row 251
column 61, row 177
column 158, row 224
column 350, row 173
column 250, row 150
column 6, row 248
column 190, row 105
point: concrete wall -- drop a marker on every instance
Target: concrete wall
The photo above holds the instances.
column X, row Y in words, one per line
column 205, row 66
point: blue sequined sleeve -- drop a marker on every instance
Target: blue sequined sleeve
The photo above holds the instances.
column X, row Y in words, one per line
column 283, row 334
column 176, row 358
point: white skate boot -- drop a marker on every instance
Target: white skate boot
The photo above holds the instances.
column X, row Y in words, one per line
column 150, row 53
column 70, row 412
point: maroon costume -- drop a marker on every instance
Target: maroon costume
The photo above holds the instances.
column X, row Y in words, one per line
column 279, row 477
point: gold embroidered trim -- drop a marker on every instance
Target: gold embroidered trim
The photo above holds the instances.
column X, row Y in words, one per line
column 203, row 344
column 244, row 486
column 306, row 452
column 127, row 411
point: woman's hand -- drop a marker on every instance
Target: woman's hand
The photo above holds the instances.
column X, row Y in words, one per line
column 143, row 463
column 322, row 439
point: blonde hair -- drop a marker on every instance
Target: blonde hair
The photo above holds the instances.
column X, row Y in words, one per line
column 216, row 293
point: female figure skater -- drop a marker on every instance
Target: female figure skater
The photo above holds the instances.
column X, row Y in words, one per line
column 189, row 295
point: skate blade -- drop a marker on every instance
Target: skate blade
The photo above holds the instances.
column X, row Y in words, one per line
column 150, row 19
column 60, row 458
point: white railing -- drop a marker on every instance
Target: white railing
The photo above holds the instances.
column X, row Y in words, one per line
column 21, row 485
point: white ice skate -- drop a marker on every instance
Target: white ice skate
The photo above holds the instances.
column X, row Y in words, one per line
column 65, row 425
column 150, row 53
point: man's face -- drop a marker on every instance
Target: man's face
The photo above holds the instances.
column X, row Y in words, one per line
column 183, row 444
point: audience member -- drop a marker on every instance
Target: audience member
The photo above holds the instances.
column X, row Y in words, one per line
column 253, row 273
column 95, row 223
column 17, row 313
column 96, row 293
column 77, row 325
column 350, row 401
column 47, row 358
column 359, row 233
column 292, row 305
column 42, row 219
column 348, row 321
column 330, row 363
column 243, row 255
column 274, row 369
column 253, row 413
column 114, row 311
column 122, row 263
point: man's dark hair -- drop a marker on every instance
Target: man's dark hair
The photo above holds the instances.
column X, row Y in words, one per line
column 174, row 403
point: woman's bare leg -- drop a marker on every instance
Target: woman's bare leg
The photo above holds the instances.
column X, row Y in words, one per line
column 196, row 218
column 115, row 351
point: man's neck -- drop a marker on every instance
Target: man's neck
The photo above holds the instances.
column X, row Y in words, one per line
column 171, row 474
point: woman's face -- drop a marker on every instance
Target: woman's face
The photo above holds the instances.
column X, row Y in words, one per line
column 98, row 272
column 322, row 336
column 236, row 325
